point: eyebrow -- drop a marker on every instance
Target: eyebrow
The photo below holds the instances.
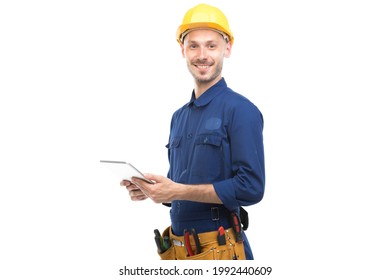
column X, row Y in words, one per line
column 197, row 42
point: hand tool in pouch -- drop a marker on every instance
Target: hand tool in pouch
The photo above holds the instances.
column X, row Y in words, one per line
column 236, row 225
column 166, row 243
column 159, row 240
column 221, row 236
column 187, row 242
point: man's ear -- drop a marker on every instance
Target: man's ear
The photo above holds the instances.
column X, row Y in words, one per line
column 182, row 49
column 228, row 49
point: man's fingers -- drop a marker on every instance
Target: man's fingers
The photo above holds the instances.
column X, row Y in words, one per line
column 137, row 195
column 125, row 183
column 132, row 187
column 135, row 191
column 138, row 198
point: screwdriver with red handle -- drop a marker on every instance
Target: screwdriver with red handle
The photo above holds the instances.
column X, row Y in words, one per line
column 236, row 225
column 221, row 236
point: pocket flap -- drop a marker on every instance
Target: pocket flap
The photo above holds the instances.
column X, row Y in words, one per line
column 209, row 139
column 174, row 143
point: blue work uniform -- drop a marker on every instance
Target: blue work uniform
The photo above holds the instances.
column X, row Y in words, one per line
column 216, row 139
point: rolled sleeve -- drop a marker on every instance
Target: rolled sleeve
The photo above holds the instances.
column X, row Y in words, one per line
column 246, row 187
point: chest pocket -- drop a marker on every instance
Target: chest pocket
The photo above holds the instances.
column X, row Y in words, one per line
column 208, row 158
column 213, row 140
column 176, row 158
column 173, row 143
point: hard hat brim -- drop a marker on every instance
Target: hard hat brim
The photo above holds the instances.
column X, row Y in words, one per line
column 187, row 28
column 185, row 33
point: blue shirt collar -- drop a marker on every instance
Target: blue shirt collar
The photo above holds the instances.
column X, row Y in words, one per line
column 208, row 95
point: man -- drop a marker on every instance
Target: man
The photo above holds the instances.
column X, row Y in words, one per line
column 215, row 149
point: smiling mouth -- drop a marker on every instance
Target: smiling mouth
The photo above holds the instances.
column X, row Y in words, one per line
column 203, row 66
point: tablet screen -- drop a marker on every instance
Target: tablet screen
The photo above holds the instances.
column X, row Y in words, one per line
column 124, row 170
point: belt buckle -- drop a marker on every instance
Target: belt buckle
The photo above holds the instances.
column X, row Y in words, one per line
column 214, row 213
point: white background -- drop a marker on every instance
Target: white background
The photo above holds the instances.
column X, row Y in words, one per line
column 84, row 80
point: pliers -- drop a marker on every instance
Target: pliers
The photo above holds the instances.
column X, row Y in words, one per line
column 187, row 242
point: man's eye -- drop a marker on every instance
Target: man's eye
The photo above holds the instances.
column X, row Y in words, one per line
column 193, row 46
column 212, row 46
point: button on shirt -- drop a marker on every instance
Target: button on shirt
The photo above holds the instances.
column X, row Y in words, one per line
column 217, row 139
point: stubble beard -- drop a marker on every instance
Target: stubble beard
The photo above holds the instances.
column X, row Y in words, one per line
column 205, row 79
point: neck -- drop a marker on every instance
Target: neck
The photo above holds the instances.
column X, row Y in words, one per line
column 201, row 87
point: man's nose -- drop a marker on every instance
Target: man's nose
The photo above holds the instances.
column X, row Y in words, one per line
column 202, row 53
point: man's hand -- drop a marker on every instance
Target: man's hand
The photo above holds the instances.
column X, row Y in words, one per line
column 135, row 193
column 162, row 191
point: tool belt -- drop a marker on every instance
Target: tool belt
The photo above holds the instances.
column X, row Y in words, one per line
column 213, row 245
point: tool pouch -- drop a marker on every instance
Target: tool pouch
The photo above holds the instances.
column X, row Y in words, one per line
column 210, row 249
column 168, row 254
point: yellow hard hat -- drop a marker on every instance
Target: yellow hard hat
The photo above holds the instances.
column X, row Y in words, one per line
column 204, row 16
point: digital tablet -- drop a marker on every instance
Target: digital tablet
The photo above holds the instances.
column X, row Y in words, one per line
column 124, row 170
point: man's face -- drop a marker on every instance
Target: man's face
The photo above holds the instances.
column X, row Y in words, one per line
column 204, row 51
